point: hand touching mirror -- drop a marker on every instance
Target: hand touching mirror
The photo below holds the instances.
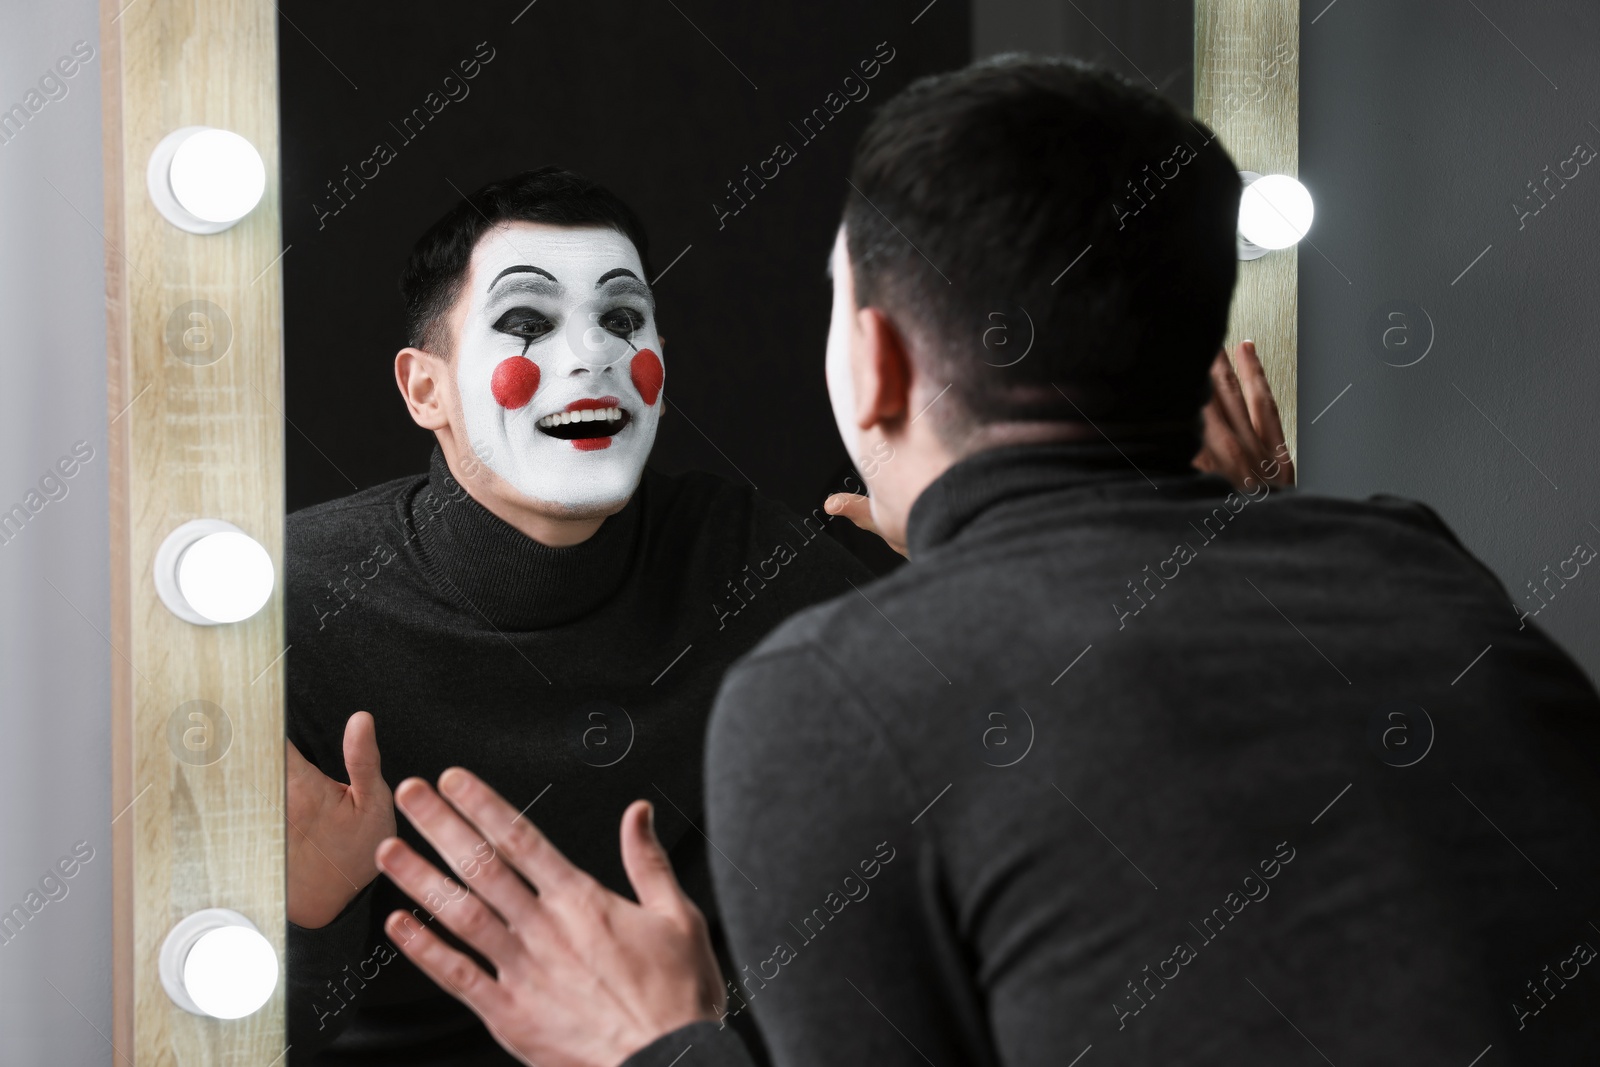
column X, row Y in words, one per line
column 334, row 828
column 583, row 977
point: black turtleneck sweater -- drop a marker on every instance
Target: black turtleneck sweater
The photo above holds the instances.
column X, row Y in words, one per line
column 1128, row 769
column 574, row 680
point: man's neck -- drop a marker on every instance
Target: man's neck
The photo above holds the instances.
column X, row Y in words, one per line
column 516, row 510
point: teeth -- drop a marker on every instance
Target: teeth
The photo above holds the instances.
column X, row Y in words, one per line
column 583, row 415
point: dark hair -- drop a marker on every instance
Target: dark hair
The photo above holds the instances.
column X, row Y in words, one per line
column 975, row 191
column 439, row 261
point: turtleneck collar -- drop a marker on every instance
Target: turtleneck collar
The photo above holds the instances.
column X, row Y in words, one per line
column 502, row 575
column 990, row 477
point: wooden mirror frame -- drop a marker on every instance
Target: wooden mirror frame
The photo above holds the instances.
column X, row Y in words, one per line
column 193, row 434
column 1247, row 89
column 194, row 439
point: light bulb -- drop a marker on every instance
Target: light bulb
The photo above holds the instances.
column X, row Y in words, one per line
column 226, row 577
column 218, row 175
column 215, row 962
column 205, row 180
column 230, row 972
column 210, row 572
column 1275, row 211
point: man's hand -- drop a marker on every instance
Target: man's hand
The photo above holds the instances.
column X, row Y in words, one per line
column 583, row 977
column 334, row 828
column 1243, row 430
column 858, row 509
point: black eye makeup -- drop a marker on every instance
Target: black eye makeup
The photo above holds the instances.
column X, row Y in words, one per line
column 525, row 323
column 622, row 322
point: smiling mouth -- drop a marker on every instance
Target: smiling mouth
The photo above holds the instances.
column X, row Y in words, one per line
column 586, row 420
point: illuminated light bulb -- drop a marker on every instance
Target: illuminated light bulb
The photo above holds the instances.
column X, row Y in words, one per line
column 227, row 577
column 205, row 180
column 218, row 175
column 215, row 962
column 1275, row 211
column 210, row 572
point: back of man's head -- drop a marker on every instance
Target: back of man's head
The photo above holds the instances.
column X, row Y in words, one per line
column 1044, row 201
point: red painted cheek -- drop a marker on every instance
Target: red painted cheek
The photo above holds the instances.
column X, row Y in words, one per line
column 647, row 374
column 591, row 444
column 515, row 381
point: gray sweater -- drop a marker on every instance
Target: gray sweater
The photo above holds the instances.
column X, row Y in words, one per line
column 1126, row 768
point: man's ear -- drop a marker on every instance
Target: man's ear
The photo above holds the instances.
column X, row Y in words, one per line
column 416, row 373
column 881, row 369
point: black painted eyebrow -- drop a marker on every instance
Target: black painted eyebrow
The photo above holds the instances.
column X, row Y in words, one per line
column 616, row 272
column 524, row 269
column 625, row 281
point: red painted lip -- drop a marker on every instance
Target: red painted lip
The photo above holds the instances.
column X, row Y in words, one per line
column 593, row 402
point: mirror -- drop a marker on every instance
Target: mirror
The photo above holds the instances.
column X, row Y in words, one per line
column 576, row 682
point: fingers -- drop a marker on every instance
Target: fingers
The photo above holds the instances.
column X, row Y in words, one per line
column 1221, row 452
column 1230, row 399
column 466, row 916
column 468, row 854
column 853, row 506
column 513, row 835
column 454, row 971
column 648, row 866
column 361, row 761
column 1263, row 408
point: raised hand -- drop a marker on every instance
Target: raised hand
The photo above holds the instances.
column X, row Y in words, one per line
column 858, row 509
column 334, row 828
column 1243, row 430
column 583, row 977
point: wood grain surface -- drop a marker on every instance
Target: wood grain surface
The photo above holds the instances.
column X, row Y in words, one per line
column 1247, row 89
column 191, row 439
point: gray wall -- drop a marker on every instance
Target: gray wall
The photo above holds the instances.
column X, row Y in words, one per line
column 55, row 971
column 1421, row 124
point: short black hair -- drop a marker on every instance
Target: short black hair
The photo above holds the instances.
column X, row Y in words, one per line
column 441, row 258
column 974, row 192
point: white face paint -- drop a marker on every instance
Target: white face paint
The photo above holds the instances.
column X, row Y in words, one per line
column 841, row 385
column 560, row 324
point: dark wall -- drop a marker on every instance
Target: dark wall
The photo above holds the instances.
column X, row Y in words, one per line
column 1421, row 126
column 664, row 111
column 1148, row 41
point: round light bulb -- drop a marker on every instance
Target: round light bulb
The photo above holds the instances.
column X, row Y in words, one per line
column 215, row 962
column 217, row 175
column 210, row 572
column 1275, row 212
column 230, row 972
column 227, row 577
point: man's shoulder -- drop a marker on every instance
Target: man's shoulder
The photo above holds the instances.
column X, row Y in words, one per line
column 759, row 560
column 742, row 520
column 695, row 491
column 820, row 637
column 827, row 634
column 312, row 531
